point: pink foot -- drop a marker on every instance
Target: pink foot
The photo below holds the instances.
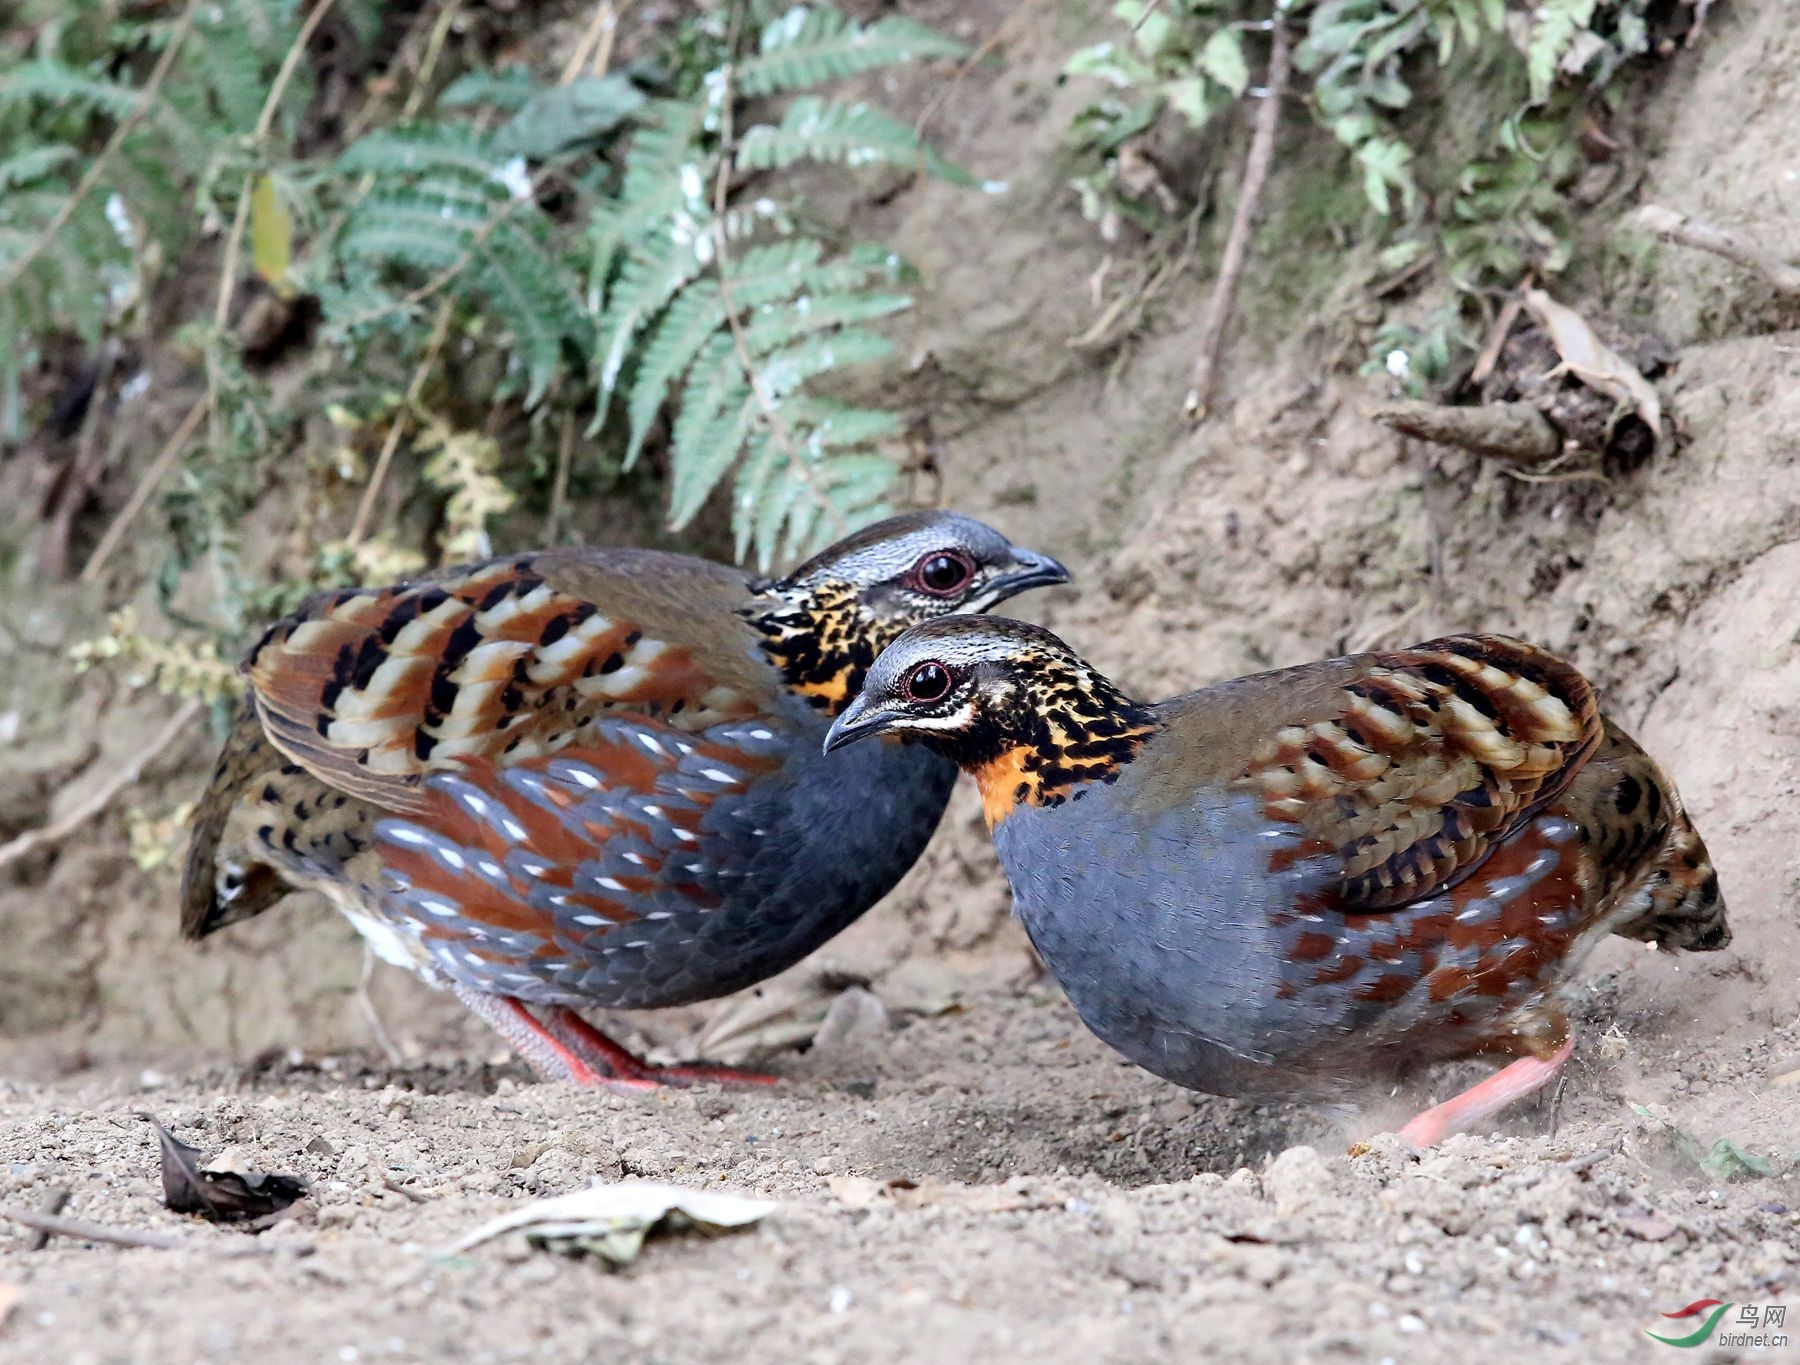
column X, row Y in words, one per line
column 1462, row 1112
column 627, row 1069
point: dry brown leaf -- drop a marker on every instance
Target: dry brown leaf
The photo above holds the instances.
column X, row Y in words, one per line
column 1593, row 362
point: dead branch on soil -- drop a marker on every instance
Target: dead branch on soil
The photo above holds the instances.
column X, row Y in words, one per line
column 1243, row 223
column 54, row 1225
column 147, row 485
column 57, row 830
column 1516, row 433
column 1681, row 230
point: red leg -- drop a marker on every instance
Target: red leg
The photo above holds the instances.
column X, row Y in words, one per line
column 604, row 1054
column 542, row 1050
column 1462, row 1112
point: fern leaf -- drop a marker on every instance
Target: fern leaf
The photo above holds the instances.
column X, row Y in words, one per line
column 811, row 44
column 760, row 470
column 33, row 164
column 849, row 134
column 690, row 321
column 802, row 524
column 58, row 83
column 524, row 286
column 1553, row 29
column 716, row 416
column 414, row 150
column 768, row 274
column 787, row 369
column 832, row 424
column 778, row 325
column 646, row 284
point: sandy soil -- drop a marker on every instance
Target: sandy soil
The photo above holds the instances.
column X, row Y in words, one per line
column 1055, row 1203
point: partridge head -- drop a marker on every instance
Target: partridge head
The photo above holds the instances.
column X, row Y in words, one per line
column 1286, row 883
column 589, row 777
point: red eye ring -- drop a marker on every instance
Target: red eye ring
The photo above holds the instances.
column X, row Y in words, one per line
column 942, row 572
column 929, row 681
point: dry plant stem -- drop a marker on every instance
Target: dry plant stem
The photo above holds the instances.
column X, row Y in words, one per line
column 1516, row 433
column 1243, row 224
column 771, row 411
column 559, row 490
column 265, row 121
column 165, row 460
column 108, row 792
column 365, row 510
column 53, row 1204
column 1496, row 341
column 127, row 126
column 81, row 1228
column 372, row 1016
column 596, row 43
column 1682, row 230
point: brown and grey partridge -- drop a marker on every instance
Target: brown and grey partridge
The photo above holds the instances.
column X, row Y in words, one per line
column 589, row 777
column 1286, row 883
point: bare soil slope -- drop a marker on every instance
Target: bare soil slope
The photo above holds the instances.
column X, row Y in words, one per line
column 1067, row 1207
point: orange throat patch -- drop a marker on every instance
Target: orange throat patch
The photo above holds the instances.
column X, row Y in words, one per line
column 1004, row 783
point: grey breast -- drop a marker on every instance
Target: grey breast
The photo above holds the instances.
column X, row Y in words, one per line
column 1158, row 928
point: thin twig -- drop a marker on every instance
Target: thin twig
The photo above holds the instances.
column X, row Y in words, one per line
column 372, row 1016
column 52, row 1204
column 771, row 411
column 1497, row 335
column 165, row 460
column 600, row 30
column 127, row 126
column 559, row 490
column 1682, row 230
column 434, row 49
column 1243, row 224
column 603, row 56
column 265, row 121
column 108, row 791
column 81, row 1228
column 365, row 510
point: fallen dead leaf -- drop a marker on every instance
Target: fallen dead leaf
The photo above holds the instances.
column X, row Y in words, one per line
column 225, row 1190
column 611, row 1221
column 1595, row 363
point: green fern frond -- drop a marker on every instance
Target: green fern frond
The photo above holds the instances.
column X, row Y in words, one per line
column 419, row 148
column 34, row 164
column 849, row 134
column 686, row 325
column 775, row 327
column 810, row 45
column 59, row 84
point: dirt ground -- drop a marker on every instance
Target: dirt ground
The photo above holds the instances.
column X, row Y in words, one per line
column 964, row 1172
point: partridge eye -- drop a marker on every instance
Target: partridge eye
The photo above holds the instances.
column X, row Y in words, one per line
column 927, row 682
column 943, row 573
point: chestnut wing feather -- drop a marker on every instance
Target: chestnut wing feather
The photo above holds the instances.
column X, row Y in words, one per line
column 1409, row 768
column 370, row 689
